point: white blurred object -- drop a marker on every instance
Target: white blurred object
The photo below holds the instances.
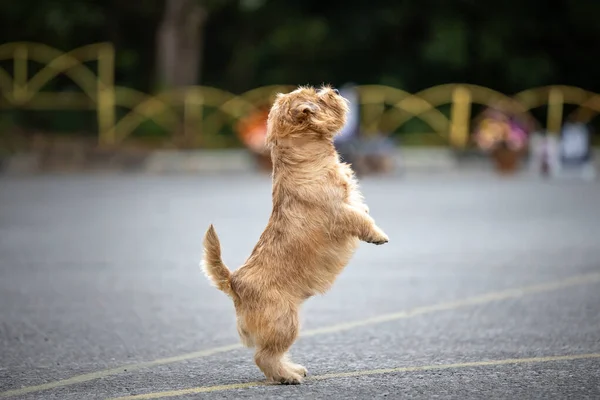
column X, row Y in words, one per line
column 566, row 157
column 575, row 152
column 537, row 152
column 552, row 146
column 575, row 142
column 544, row 157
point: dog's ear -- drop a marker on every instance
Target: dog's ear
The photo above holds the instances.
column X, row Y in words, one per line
column 303, row 110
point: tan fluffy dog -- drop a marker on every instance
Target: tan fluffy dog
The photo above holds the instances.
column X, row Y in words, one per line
column 317, row 221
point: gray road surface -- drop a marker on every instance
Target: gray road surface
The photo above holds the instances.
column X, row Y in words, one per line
column 492, row 286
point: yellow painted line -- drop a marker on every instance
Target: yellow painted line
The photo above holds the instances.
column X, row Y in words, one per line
column 445, row 306
column 453, row 305
column 114, row 371
column 491, row 363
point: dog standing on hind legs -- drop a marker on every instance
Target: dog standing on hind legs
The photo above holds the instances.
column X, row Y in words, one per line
column 317, row 221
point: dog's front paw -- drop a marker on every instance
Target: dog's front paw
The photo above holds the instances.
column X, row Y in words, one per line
column 378, row 237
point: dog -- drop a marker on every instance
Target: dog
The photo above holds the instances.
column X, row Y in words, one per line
column 317, row 221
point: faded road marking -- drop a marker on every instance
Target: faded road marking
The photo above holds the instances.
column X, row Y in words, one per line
column 491, row 363
column 445, row 306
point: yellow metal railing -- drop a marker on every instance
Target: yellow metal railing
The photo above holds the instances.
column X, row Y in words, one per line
column 201, row 112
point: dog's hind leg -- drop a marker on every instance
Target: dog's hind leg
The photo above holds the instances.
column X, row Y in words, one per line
column 277, row 368
column 245, row 337
column 277, row 336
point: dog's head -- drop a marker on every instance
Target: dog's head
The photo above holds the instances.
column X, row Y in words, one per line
column 308, row 113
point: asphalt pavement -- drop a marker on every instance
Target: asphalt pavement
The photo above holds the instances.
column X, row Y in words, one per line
column 488, row 288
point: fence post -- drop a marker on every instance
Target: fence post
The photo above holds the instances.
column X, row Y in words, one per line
column 555, row 111
column 460, row 115
column 20, row 74
column 106, row 96
column 192, row 115
column 372, row 107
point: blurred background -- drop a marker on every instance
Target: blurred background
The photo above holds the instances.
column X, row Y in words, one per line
column 127, row 127
column 81, row 76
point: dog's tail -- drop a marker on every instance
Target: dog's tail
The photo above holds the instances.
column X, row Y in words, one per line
column 212, row 264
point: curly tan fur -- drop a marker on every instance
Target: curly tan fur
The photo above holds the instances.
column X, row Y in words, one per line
column 317, row 221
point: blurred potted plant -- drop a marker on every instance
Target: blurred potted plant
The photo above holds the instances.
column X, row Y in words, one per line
column 504, row 139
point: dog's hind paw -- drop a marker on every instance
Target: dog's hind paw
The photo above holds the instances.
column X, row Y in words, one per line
column 299, row 369
column 288, row 378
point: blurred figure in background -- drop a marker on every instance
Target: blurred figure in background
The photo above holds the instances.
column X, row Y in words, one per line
column 347, row 142
column 372, row 154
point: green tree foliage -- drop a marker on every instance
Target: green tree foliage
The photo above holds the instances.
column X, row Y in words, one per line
column 411, row 44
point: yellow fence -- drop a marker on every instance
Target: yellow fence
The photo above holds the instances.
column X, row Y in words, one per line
column 199, row 112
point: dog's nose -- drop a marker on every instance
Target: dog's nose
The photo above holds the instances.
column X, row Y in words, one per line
column 336, row 91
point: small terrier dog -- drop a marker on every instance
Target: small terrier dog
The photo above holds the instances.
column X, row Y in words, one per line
column 317, row 221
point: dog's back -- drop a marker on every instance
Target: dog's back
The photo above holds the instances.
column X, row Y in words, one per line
column 300, row 247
